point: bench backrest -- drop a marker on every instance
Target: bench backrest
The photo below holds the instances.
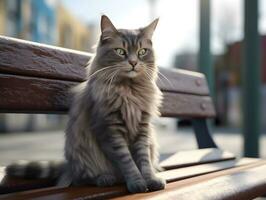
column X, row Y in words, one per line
column 36, row 78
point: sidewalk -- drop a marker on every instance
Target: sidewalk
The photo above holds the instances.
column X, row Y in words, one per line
column 49, row 145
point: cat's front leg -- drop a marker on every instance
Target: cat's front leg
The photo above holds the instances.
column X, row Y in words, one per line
column 115, row 148
column 142, row 156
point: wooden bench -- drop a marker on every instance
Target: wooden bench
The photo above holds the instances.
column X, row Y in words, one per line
column 36, row 78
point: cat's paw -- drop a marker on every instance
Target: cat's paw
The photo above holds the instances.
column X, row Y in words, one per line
column 155, row 183
column 106, row 180
column 137, row 186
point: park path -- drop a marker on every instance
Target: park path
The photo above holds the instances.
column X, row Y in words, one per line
column 49, row 145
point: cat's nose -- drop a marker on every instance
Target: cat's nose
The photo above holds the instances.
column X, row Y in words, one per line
column 133, row 63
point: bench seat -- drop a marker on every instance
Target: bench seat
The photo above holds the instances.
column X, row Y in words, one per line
column 36, row 78
column 187, row 173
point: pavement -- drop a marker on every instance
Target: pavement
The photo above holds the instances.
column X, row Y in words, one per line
column 49, row 145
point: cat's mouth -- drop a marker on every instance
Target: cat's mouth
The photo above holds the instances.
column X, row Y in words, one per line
column 132, row 73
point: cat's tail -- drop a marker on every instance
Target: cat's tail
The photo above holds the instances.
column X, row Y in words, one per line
column 36, row 169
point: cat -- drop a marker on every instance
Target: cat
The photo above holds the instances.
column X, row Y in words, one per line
column 109, row 137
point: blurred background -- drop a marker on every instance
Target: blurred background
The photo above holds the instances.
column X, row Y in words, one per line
column 198, row 35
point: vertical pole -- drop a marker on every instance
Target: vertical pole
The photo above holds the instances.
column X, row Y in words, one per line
column 3, row 121
column 204, row 60
column 251, row 80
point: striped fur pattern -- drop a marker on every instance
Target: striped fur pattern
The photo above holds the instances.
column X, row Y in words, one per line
column 36, row 169
column 109, row 138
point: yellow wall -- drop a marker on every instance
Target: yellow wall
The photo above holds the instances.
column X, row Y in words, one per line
column 26, row 17
column 2, row 17
column 71, row 32
column 25, row 32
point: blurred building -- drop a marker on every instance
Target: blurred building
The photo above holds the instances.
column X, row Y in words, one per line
column 47, row 22
column 186, row 60
column 72, row 33
column 234, row 59
column 2, row 17
column 43, row 22
column 28, row 19
column 228, row 83
column 228, row 70
column 15, row 18
column 94, row 36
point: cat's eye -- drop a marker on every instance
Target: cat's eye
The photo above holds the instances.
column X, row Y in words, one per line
column 142, row 52
column 120, row 51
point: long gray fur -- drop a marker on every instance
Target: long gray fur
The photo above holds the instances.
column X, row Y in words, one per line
column 109, row 137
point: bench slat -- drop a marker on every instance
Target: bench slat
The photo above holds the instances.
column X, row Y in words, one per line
column 196, row 157
column 109, row 192
column 186, row 106
column 22, row 94
column 38, row 60
column 19, row 57
column 243, row 182
column 200, row 169
column 181, row 81
column 179, row 160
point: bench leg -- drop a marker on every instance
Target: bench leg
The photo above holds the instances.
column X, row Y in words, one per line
column 203, row 134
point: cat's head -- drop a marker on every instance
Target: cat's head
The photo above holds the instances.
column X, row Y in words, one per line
column 126, row 53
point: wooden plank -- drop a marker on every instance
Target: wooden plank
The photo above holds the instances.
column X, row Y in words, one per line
column 196, row 157
column 20, row 57
column 22, row 94
column 196, row 170
column 182, row 81
column 244, row 185
column 179, row 160
column 16, row 185
column 187, row 105
column 33, row 59
column 109, row 192
column 239, row 183
column 87, row 193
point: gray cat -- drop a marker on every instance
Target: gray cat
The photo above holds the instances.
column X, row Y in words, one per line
column 109, row 136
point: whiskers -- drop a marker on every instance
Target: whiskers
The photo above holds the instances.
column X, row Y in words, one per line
column 160, row 74
column 149, row 75
column 101, row 71
column 112, row 76
column 106, row 75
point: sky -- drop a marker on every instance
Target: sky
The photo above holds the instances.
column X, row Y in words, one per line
column 178, row 26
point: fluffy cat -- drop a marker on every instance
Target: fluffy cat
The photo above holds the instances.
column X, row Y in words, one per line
column 109, row 136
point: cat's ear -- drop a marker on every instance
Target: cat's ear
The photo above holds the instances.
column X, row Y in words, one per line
column 148, row 30
column 106, row 25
